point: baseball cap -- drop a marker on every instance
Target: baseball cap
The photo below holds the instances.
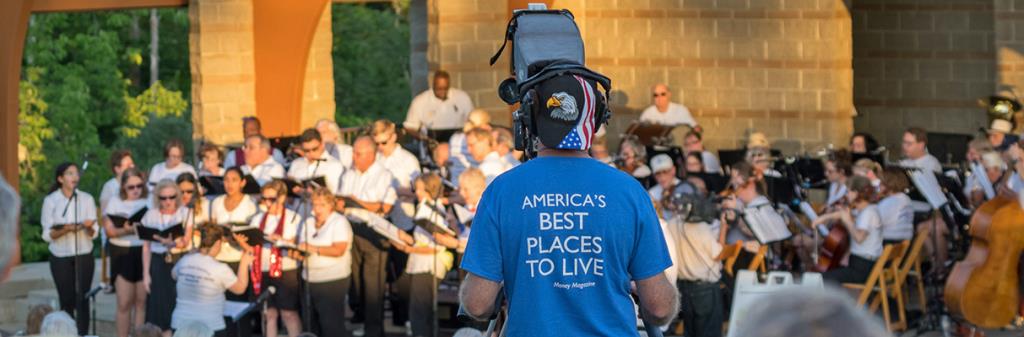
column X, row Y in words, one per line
column 661, row 162
column 566, row 110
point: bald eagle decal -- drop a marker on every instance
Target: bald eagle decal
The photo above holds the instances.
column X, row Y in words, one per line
column 564, row 106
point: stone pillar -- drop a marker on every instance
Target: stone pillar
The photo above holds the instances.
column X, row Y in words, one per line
column 223, row 72
column 318, row 89
column 463, row 35
column 1009, row 45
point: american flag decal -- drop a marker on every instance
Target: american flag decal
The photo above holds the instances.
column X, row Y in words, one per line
column 581, row 137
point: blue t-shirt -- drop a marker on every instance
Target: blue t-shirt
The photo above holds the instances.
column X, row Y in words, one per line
column 567, row 235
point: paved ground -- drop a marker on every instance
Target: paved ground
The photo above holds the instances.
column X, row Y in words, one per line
column 30, row 284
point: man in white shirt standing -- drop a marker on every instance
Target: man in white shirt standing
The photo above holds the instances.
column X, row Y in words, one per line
column 331, row 135
column 481, row 148
column 440, row 108
column 666, row 112
column 368, row 184
column 315, row 162
column 258, row 161
column 404, row 167
column 251, row 126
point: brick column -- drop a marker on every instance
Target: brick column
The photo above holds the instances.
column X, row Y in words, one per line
column 1009, row 44
column 223, row 73
column 318, row 89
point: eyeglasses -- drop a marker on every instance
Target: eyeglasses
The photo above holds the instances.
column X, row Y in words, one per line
column 382, row 143
column 659, row 94
column 168, row 197
column 188, row 191
column 265, row 198
column 133, row 187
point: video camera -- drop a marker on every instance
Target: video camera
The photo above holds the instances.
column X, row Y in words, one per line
column 546, row 48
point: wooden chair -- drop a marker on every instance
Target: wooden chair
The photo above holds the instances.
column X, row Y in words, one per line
column 912, row 267
column 895, row 280
column 876, row 281
column 729, row 255
column 757, row 264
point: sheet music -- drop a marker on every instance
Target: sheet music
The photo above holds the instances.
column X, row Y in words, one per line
column 978, row 172
column 808, row 211
column 463, row 214
column 426, row 212
column 376, row 222
column 767, row 225
column 928, row 185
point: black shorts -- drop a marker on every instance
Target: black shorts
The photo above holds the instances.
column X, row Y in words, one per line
column 287, row 295
column 126, row 262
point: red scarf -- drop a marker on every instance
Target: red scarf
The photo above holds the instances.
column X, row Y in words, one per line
column 256, row 272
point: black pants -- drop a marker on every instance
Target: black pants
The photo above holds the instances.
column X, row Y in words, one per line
column 244, row 326
column 702, row 309
column 857, row 271
column 73, row 302
column 369, row 259
column 421, row 303
column 328, row 307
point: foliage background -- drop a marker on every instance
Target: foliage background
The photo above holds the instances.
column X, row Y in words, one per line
column 85, row 90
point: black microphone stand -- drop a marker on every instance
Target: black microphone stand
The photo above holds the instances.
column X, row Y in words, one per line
column 305, row 207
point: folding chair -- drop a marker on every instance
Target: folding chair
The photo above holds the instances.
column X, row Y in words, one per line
column 876, row 281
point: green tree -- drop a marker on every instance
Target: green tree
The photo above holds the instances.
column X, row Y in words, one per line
column 371, row 62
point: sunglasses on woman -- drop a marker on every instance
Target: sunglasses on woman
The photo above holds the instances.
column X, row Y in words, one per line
column 168, row 197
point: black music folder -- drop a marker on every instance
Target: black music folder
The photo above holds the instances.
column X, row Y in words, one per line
column 120, row 221
column 310, row 182
column 350, row 202
column 253, row 235
column 431, row 219
column 212, row 185
column 173, row 232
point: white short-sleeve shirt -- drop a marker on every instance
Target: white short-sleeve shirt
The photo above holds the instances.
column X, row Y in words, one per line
column 110, row 190
column 867, row 219
column 161, row 172
column 156, row 220
column 328, row 268
column 291, row 226
column 677, row 114
column 201, row 282
column 926, row 162
column 897, row 217
column 59, row 210
column 266, row 171
column 374, row 185
column 242, row 214
column 428, row 110
column 326, row 167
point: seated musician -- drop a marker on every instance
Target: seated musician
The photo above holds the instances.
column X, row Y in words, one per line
column 977, row 179
column 748, row 192
column 258, row 162
column 251, row 127
column 894, row 207
column 315, row 162
column 864, row 224
column 1015, row 183
column 666, row 112
column 599, row 151
column 869, row 169
column 439, row 108
column 459, row 155
column 201, row 281
column 665, row 176
column 863, row 143
column 915, row 151
column 1000, row 134
column 837, row 169
column 633, row 160
column 993, row 168
column 330, row 133
column 694, row 143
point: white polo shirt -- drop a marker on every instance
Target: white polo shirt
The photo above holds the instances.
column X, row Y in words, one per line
column 328, row 268
column 81, row 208
column 374, row 185
column 111, row 189
column 677, row 114
column 266, row 171
column 428, row 110
column 326, row 167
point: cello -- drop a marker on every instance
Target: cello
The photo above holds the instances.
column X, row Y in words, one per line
column 983, row 287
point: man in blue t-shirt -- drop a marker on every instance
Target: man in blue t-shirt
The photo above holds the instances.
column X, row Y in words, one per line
column 568, row 235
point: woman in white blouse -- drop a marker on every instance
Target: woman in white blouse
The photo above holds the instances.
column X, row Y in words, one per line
column 156, row 271
column 173, row 164
column 69, row 226
column 863, row 222
column 234, row 209
column 193, row 199
column 126, row 251
column 327, row 237
column 894, row 209
column 837, row 169
column 279, row 225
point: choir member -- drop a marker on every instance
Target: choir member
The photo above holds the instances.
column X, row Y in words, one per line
column 331, row 135
column 315, row 162
column 212, row 158
column 69, row 225
column 277, row 269
column 126, row 251
column 327, row 238
column 173, row 164
column 120, row 160
column 234, row 210
column 251, row 127
column 258, row 162
column 168, row 211
column 404, row 168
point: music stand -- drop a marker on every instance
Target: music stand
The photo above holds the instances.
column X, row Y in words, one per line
column 650, row 134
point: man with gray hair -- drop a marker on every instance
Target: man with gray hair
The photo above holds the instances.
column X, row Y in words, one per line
column 330, row 133
column 802, row 313
column 9, row 206
column 258, row 161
